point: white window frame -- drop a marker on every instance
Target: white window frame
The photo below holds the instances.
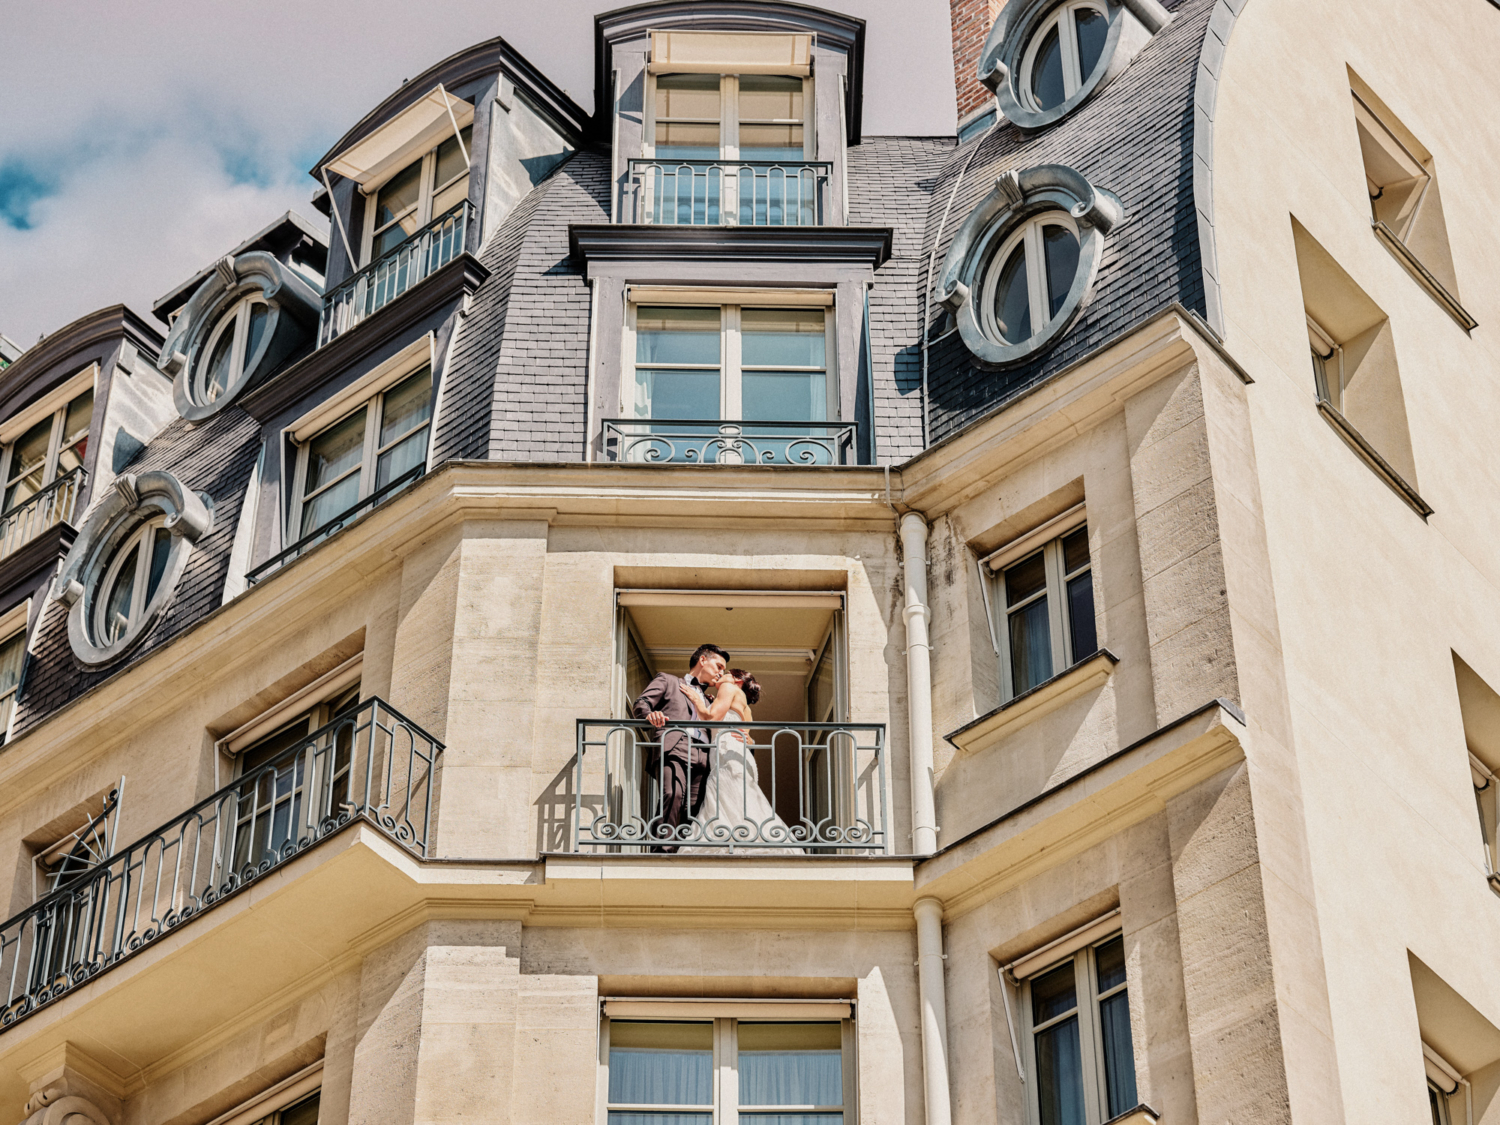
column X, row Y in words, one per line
column 1487, row 798
column 56, row 404
column 235, row 319
column 729, row 117
column 726, row 1019
column 1090, row 1037
column 1047, row 539
column 731, row 369
column 140, row 542
column 1073, row 76
column 427, row 190
column 1328, row 359
column 14, row 623
column 283, row 1095
column 1029, row 232
column 304, row 433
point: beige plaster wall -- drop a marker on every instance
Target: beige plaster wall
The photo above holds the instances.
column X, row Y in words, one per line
column 1372, row 601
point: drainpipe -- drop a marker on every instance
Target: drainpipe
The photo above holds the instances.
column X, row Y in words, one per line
column 918, row 683
column 929, row 914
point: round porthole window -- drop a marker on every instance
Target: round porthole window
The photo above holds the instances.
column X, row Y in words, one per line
column 1022, row 267
column 1045, row 58
column 125, row 564
column 247, row 316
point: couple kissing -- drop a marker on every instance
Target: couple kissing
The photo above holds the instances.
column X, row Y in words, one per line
column 710, row 787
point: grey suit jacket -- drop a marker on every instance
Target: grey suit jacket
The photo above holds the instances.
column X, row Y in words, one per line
column 664, row 694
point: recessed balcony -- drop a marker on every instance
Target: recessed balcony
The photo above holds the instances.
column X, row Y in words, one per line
column 787, row 789
column 395, row 272
column 713, row 442
column 369, row 765
column 736, row 193
column 51, row 506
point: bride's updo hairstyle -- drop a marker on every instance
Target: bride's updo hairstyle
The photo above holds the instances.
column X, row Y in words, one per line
column 747, row 685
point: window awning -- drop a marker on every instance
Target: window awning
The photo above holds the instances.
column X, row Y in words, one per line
column 730, row 52
column 417, row 128
column 724, row 295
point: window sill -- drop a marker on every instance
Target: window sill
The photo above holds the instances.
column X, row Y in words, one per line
column 1367, row 452
column 1424, row 277
column 987, row 730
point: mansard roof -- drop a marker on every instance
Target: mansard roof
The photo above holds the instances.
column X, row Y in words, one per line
column 291, row 233
column 63, row 353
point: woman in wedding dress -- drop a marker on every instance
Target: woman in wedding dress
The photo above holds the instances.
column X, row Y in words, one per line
column 734, row 805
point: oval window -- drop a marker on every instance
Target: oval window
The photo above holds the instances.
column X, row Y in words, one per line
column 1029, row 278
column 1065, row 51
column 131, row 579
column 232, row 350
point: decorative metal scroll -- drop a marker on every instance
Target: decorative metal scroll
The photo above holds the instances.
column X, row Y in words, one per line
column 783, row 788
column 368, row 765
column 84, row 848
column 48, row 508
column 743, row 193
column 710, row 442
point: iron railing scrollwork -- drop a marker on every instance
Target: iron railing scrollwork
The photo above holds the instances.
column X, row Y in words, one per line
column 369, row 765
column 338, row 523
column 784, row 788
column 744, row 193
column 712, row 442
column 394, row 272
column 51, row 506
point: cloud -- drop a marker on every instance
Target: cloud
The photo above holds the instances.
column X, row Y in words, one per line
column 139, row 142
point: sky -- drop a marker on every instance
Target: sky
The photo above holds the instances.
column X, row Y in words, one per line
column 141, row 141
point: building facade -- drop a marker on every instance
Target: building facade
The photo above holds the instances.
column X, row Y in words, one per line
column 1100, row 498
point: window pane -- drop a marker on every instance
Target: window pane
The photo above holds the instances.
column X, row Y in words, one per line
column 303, row 1113
column 1025, row 578
column 407, row 405
column 1053, row 994
column 161, row 550
column 676, row 394
column 1059, row 1074
column 27, row 458
column 1075, row 547
column 449, row 198
column 1047, row 72
column 1093, row 29
column 12, row 653
column 119, row 596
column 687, row 95
column 790, row 1118
column 1061, row 253
column 1437, row 1104
column 400, row 194
column 24, row 489
column 784, row 396
column 766, row 97
column 1109, row 960
column 255, row 331
column 1013, row 299
column 76, row 432
column 1119, row 1056
column 220, row 361
column 335, row 451
column 668, row 335
column 791, row 1064
column 661, row 1064
column 331, row 504
column 687, row 141
column 782, row 338
column 617, row 1118
column 1030, row 647
column 401, row 457
column 450, row 159
column 262, row 751
column 771, row 142
column 1085, row 637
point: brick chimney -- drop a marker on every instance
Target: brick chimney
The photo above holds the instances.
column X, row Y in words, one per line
column 972, row 20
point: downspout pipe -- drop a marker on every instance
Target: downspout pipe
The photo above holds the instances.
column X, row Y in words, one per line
column 918, row 682
column 929, row 913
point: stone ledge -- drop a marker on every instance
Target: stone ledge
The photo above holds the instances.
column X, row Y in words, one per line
column 1140, row 1115
column 987, row 730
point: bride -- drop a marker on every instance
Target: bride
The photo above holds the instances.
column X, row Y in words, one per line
column 734, row 805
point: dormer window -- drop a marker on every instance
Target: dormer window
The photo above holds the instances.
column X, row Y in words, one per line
column 1064, row 53
column 423, row 192
column 233, row 349
column 49, row 449
column 766, row 117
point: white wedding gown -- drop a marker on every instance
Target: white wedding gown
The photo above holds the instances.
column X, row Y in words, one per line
column 734, row 805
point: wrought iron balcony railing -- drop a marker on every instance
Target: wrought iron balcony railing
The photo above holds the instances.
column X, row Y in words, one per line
column 394, row 272
column 784, row 788
column 711, row 442
column 740, row 193
column 338, row 523
column 369, row 764
column 51, row 506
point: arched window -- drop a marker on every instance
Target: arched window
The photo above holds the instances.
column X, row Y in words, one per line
column 233, row 349
column 1029, row 278
column 131, row 579
column 1064, row 53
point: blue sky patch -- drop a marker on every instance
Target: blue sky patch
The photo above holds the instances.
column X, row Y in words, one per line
column 20, row 187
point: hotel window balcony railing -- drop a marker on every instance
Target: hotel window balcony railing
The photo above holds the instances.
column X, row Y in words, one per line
column 394, row 272
column 51, row 506
column 368, row 765
column 712, row 442
column 338, row 523
column 791, row 789
column 741, row 193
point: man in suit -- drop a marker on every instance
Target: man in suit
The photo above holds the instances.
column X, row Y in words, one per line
column 681, row 759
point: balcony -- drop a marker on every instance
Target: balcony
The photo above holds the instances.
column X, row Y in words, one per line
column 742, row 193
column 394, row 272
column 338, row 523
column 369, row 765
column 790, row 789
column 712, row 442
column 51, row 506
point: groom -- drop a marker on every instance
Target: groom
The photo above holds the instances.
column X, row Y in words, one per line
column 682, row 761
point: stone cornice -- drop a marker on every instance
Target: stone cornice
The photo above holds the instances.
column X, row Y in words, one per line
column 456, row 280
column 32, row 374
column 606, row 242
